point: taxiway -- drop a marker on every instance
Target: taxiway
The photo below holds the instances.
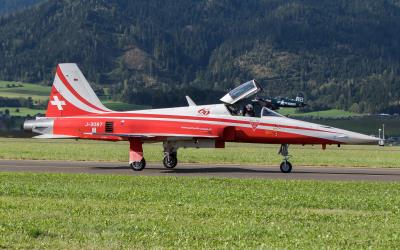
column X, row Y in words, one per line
column 231, row 171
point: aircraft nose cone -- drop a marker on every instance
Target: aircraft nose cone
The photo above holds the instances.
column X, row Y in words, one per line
column 357, row 138
column 366, row 139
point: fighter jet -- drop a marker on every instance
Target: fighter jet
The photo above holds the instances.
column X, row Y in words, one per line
column 75, row 112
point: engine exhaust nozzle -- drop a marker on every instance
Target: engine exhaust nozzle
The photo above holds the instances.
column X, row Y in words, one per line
column 29, row 125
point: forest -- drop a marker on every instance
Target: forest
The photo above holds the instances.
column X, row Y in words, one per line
column 341, row 54
column 11, row 6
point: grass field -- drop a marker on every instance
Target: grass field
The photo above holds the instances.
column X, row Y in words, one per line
column 56, row 211
column 22, row 111
column 24, row 90
column 255, row 154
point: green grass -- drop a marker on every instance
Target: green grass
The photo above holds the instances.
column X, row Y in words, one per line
column 332, row 113
column 255, row 154
column 24, row 90
column 22, row 111
column 58, row 211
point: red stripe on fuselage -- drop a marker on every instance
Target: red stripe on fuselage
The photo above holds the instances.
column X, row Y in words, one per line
column 138, row 115
column 64, row 80
column 70, row 126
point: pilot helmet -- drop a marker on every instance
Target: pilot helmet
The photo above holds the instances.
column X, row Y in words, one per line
column 249, row 107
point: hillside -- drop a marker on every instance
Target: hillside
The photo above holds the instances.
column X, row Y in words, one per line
column 10, row 6
column 342, row 54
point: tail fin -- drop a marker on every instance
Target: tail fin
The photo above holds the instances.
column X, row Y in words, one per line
column 72, row 95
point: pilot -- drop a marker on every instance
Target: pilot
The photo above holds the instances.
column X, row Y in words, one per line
column 249, row 110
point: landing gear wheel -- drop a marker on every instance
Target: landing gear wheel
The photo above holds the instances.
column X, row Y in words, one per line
column 286, row 167
column 138, row 165
column 170, row 160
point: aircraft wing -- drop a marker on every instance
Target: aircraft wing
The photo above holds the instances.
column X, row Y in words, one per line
column 153, row 135
column 52, row 136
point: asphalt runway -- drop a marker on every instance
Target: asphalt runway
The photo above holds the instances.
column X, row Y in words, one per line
column 232, row 171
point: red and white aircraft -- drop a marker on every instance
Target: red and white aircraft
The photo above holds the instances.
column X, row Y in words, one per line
column 74, row 111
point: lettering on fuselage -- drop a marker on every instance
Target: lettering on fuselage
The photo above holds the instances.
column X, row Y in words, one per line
column 94, row 124
column 196, row 128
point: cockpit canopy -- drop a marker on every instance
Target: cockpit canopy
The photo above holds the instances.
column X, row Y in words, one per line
column 268, row 112
column 244, row 91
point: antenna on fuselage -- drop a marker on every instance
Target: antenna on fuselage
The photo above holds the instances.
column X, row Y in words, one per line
column 190, row 101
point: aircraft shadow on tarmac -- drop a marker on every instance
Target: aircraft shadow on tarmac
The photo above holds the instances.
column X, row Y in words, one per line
column 194, row 170
column 233, row 170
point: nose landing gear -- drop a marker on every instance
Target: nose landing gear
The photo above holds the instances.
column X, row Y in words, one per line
column 286, row 166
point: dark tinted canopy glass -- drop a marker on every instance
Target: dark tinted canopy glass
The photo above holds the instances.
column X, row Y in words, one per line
column 242, row 89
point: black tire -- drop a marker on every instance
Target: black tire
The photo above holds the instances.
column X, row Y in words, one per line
column 286, row 167
column 138, row 165
column 170, row 161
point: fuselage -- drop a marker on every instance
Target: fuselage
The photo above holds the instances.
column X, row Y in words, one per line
column 208, row 121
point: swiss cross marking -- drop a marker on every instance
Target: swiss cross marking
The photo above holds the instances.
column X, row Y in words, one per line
column 58, row 103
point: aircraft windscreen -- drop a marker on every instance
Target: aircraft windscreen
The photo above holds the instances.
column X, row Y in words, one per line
column 242, row 89
column 268, row 112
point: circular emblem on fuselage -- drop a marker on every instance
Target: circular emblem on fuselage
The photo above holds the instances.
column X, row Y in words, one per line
column 204, row 111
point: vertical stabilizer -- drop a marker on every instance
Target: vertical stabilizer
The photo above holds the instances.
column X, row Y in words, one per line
column 72, row 95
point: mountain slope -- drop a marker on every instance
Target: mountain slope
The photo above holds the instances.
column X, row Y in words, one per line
column 342, row 54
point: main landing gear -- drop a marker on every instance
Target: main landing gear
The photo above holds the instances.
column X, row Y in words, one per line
column 286, row 166
column 170, row 154
column 136, row 159
column 170, row 160
column 138, row 165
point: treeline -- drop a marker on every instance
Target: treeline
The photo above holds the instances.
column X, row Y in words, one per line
column 11, row 6
column 19, row 102
column 341, row 54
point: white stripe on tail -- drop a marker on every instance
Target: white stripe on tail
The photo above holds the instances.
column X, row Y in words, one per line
column 72, row 95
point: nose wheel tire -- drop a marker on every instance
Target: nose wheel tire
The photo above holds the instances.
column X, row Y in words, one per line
column 138, row 165
column 170, row 160
column 286, row 167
